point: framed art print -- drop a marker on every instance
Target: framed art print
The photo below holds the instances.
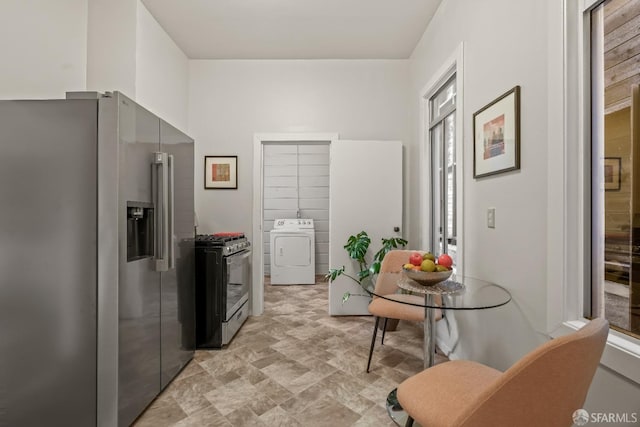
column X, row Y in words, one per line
column 612, row 173
column 221, row 172
column 496, row 135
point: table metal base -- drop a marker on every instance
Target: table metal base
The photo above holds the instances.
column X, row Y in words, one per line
column 429, row 341
column 395, row 411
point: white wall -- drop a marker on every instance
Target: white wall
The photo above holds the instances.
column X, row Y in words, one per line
column 231, row 100
column 111, row 41
column 130, row 52
column 612, row 393
column 43, row 46
column 514, row 253
column 162, row 71
column 49, row 48
column 509, row 43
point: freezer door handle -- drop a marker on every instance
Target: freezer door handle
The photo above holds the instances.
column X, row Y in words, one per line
column 171, row 214
column 161, row 202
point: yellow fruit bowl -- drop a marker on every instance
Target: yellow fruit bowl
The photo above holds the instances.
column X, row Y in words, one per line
column 427, row 278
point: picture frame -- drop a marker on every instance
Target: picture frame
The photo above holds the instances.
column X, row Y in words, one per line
column 496, row 135
column 221, row 172
column 612, row 173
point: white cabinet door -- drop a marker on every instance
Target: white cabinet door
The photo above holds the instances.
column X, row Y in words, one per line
column 366, row 195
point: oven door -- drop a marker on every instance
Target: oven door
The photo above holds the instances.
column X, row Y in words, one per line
column 238, row 281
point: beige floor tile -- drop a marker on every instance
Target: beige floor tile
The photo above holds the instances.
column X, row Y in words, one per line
column 376, row 416
column 274, row 391
column 379, row 390
column 232, row 396
column 286, row 373
column 208, row 417
column 328, row 412
column 295, row 365
column 245, row 417
column 189, row 392
column 278, row 417
column 164, row 411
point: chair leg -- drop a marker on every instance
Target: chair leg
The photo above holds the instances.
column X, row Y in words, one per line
column 409, row 422
column 384, row 330
column 373, row 341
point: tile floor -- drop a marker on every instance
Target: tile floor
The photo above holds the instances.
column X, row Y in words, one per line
column 293, row 366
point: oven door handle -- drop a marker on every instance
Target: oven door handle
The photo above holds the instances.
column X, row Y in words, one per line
column 238, row 256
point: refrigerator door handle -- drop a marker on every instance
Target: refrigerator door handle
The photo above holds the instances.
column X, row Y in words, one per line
column 161, row 202
column 171, row 214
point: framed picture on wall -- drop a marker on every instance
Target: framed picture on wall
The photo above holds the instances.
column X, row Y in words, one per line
column 220, row 172
column 496, row 135
column 612, row 173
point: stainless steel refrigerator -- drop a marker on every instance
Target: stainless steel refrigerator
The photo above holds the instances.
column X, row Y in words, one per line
column 96, row 259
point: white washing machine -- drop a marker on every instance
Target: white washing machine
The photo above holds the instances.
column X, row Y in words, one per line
column 293, row 252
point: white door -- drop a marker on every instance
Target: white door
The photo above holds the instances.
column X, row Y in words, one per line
column 366, row 195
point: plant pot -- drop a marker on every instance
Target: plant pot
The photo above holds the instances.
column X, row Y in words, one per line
column 392, row 324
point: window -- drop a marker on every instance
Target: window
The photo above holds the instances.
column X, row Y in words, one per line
column 615, row 165
column 442, row 147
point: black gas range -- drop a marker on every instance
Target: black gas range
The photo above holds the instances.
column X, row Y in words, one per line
column 223, row 285
column 230, row 243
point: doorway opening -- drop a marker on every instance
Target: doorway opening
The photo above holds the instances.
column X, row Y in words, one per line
column 289, row 182
column 295, row 187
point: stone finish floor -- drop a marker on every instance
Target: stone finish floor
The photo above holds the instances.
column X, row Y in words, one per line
column 293, row 366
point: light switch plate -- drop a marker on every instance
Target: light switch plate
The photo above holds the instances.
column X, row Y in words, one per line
column 491, row 217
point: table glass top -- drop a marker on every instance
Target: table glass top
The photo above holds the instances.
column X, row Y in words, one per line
column 458, row 293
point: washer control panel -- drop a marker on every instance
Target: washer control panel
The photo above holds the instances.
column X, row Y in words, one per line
column 296, row 223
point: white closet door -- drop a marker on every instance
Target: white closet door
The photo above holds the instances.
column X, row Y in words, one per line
column 366, row 195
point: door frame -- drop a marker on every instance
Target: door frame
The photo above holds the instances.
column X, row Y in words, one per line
column 259, row 139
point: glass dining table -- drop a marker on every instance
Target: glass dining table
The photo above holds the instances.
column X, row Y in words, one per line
column 455, row 294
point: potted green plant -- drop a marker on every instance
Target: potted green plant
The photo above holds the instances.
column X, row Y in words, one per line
column 357, row 247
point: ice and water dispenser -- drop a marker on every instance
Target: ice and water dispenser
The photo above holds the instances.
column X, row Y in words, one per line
column 140, row 233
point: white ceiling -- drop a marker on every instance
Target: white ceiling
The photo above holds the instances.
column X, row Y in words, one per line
column 294, row 29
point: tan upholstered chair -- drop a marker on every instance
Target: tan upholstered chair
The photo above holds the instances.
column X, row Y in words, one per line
column 387, row 285
column 543, row 388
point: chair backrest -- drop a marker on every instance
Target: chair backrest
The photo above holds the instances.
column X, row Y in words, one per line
column 391, row 270
column 546, row 386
